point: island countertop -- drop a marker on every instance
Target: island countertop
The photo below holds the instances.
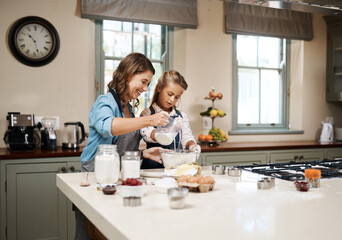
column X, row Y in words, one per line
column 235, row 209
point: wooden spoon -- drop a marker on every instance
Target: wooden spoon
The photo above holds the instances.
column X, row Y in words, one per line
column 85, row 183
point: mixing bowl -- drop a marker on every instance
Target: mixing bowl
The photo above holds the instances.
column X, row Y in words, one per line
column 176, row 158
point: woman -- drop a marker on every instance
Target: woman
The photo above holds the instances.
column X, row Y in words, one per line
column 112, row 120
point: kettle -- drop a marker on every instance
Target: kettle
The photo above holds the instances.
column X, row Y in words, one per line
column 327, row 135
column 71, row 135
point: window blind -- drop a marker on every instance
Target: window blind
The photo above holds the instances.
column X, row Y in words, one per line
column 177, row 13
column 264, row 21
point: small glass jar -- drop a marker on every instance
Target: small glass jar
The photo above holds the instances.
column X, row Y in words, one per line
column 130, row 165
column 313, row 176
column 107, row 165
column 177, row 197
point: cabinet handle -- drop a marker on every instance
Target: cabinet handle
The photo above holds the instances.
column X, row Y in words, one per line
column 63, row 169
column 72, row 169
column 301, row 157
column 295, row 157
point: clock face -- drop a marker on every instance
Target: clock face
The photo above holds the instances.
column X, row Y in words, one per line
column 33, row 41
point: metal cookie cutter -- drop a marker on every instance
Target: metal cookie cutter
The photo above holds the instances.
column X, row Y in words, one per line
column 234, row 172
column 266, row 183
column 218, row 169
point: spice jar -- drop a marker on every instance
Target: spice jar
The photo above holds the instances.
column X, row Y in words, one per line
column 313, row 176
column 107, row 165
column 130, row 165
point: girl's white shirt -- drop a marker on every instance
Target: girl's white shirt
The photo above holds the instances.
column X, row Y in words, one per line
column 186, row 130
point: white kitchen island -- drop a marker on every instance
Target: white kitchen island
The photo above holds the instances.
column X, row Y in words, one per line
column 235, row 209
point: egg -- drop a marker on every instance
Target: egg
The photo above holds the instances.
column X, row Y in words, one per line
column 188, row 176
column 192, row 180
column 210, row 179
column 203, row 181
column 182, row 178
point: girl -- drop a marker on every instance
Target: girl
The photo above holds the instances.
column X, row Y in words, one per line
column 112, row 121
column 168, row 91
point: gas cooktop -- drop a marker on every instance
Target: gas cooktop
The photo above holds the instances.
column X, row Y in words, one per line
column 294, row 171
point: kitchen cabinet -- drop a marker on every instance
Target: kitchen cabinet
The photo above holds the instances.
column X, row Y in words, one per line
column 32, row 207
column 233, row 158
column 296, row 155
column 334, row 58
column 334, row 153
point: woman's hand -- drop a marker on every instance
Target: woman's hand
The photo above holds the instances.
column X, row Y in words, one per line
column 159, row 119
column 154, row 154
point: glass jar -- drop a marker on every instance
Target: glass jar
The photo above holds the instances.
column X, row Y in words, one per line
column 107, row 165
column 313, row 176
column 130, row 165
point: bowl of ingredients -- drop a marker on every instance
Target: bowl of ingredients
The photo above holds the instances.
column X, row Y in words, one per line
column 302, row 186
column 176, row 158
column 132, row 187
column 163, row 184
column 109, row 190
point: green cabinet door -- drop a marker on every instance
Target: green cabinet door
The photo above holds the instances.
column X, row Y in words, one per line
column 233, row 158
column 297, row 156
column 36, row 209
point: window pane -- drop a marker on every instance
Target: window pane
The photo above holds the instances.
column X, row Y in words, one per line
column 247, row 50
column 270, row 96
column 269, row 52
column 110, row 66
column 117, row 43
column 248, row 101
column 139, row 38
column 154, row 42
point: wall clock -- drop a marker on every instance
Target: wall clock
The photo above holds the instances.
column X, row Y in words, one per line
column 33, row 41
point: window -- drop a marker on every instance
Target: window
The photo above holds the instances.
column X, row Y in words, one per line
column 260, row 83
column 116, row 39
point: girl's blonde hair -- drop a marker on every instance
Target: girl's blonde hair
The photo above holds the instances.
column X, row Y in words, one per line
column 132, row 64
column 167, row 77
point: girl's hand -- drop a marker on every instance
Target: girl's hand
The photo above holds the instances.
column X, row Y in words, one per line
column 159, row 119
column 195, row 148
column 154, row 154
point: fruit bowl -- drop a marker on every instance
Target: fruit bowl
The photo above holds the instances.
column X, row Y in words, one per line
column 211, row 142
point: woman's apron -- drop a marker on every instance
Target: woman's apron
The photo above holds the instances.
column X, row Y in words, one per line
column 126, row 142
column 148, row 163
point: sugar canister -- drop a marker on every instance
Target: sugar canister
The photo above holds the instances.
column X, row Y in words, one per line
column 130, row 165
column 107, row 165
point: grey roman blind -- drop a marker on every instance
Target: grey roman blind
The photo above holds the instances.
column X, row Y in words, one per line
column 264, row 21
column 177, row 13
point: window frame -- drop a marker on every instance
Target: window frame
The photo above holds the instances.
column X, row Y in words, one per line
column 262, row 128
column 100, row 56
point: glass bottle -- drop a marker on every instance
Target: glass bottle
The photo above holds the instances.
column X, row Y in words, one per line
column 130, row 165
column 107, row 165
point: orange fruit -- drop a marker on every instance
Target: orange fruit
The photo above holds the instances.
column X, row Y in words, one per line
column 202, row 137
column 210, row 137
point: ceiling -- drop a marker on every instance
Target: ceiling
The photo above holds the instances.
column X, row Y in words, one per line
column 311, row 6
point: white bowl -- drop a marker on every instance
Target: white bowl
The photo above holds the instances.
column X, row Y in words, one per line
column 132, row 191
column 174, row 159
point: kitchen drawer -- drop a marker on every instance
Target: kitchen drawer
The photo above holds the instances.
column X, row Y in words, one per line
column 233, row 158
column 334, row 153
column 298, row 156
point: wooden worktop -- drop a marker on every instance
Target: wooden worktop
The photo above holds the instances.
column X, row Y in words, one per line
column 222, row 147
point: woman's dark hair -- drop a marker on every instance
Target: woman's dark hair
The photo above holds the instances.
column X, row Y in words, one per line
column 132, row 64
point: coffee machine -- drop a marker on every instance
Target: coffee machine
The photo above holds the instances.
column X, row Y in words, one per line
column 21, row 134
column 49, row 139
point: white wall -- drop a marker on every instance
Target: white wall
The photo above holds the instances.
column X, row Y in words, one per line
column 65, row 87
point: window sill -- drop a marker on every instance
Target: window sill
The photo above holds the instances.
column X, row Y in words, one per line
column 264, row 132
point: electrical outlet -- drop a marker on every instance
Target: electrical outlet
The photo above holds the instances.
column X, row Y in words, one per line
column 38, row 119
column 207, row 123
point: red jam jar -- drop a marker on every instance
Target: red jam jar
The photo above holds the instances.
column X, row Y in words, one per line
column 313, row 176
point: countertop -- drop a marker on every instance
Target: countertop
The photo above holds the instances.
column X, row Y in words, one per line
column 225, row 146
column 235, row 209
